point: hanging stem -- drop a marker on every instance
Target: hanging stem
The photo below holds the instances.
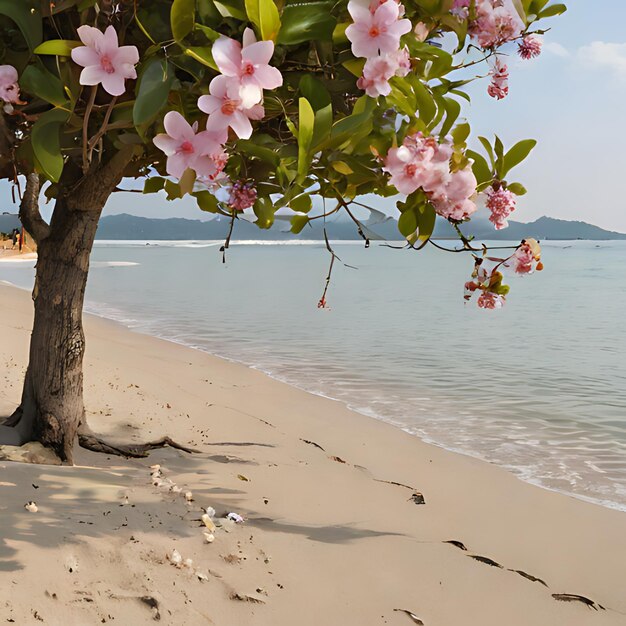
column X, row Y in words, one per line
column 230, row 234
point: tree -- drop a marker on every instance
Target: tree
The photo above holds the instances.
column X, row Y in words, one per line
column 242, row 104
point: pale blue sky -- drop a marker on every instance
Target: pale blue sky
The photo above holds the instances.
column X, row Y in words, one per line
column 571, row 99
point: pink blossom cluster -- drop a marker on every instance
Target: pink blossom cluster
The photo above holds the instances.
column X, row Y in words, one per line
column 499, row 87
column 235, row 97
column 526, row 259
column 243, row 195
column 490, row 300
column 501, row 203
column 489, row 286
column 530, row 47
column 9, row 87
column 495, row 23
column 423, row 163
column 375, row 36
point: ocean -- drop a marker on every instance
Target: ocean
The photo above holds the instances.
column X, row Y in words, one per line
column 538, row 387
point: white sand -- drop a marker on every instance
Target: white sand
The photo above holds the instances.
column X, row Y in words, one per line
column 325, row 543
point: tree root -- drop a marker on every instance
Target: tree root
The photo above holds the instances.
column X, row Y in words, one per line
column 139, row 451
column 14, row 419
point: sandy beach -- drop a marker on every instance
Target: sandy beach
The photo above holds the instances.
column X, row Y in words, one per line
column 334, row 533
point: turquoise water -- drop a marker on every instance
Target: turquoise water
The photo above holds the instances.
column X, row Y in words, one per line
column 538, row 387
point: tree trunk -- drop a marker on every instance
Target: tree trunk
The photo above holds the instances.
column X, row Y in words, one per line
column 52, row 408
column 52, row 400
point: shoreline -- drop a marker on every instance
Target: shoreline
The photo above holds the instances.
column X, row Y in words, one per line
column 338, row 525
column 516, row 471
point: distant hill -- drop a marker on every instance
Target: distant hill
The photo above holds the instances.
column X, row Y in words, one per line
column 131, row 227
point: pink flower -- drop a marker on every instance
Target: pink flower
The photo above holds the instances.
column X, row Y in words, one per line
column 378, row 70
column 242, row 196
column 378, row 32
column 501, row 203
column 9, row 88
column 225, row 108
column 249, row 65
column 376, row 74
column 530, row 47
column 499, row 87
column 489, row 300
column 496, row 23
column 104, row 60
column 188, row 149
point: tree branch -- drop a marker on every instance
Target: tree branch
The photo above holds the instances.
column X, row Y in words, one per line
column 29, row 210
column 87, row 196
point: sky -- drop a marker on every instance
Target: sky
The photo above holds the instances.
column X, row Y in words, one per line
column 571, row 99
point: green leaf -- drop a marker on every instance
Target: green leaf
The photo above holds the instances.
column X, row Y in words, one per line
column 498, row 147
column 251, row 149
column 460, row 134
column 153, row 91
column 305, row 135
column 301, row 204
column 426, row 218
column 323, row 124
column 182, row 18
column 342, row 167
column 298, row 222
column 209, row 33
column 46, row 142
column 153, row 184
column 172, row 189
column 202, row 55
column 407, row 224
column 207, row 201
column 187, row 181
column 516, row 155
column 425, row 103
column 314, row 91
column 551, row 11
column 264, row 210
column 28, row 21
column 348, row 127
column 517, row 188
column 480, row 167
column 311, row 21
column 58, row 47
column 38, row 81
column 453, row 110
column 231, row 9
column 264, row 15
column 489, row 149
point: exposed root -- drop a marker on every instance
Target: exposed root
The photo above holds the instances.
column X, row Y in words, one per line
column 137, row 451
column 14, row 419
